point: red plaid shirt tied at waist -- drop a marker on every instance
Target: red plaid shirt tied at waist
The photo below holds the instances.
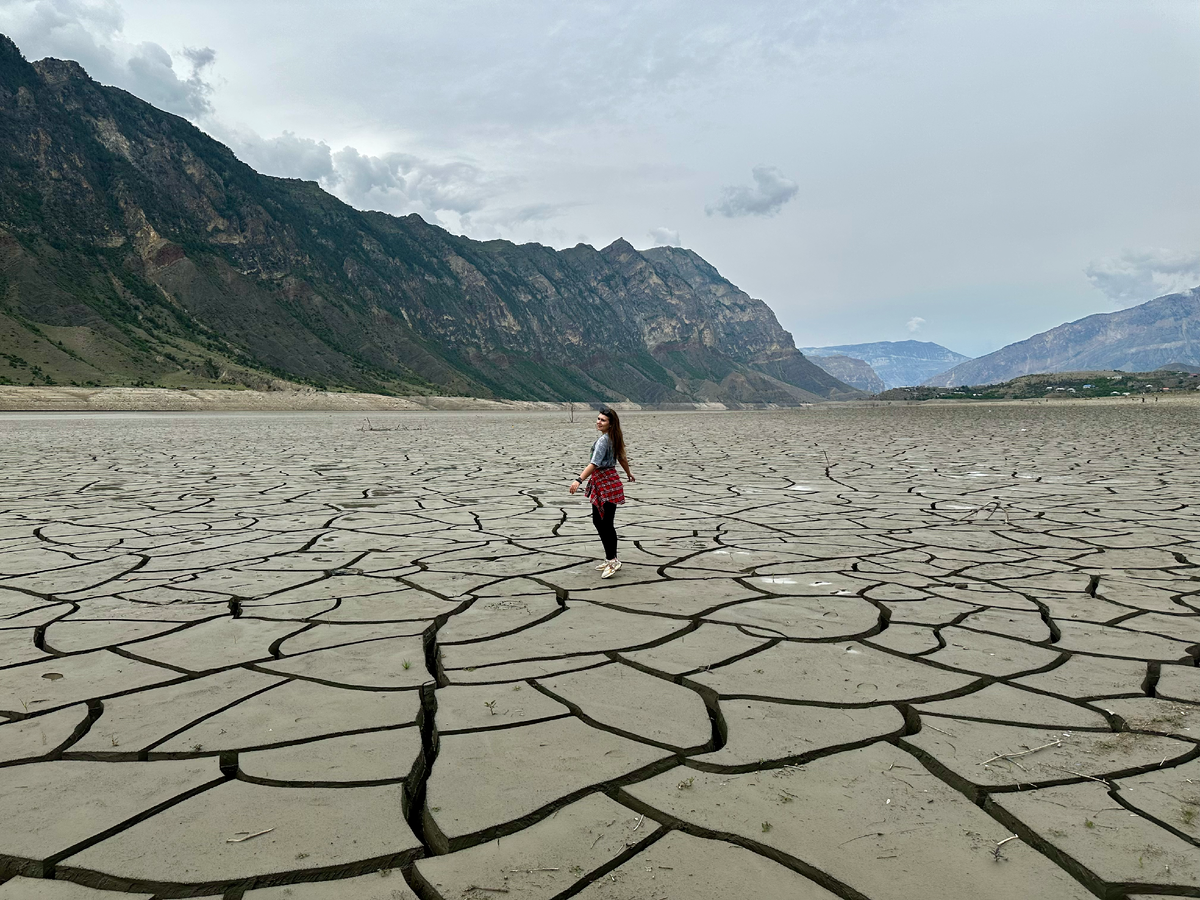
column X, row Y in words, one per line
column 604, row 486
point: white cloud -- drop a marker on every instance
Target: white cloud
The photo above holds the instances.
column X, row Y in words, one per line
column 397, row 183
column 286, row 156
column 665, row 237
column 914, row 324
column 770, row 192
column 1140, row 275
column 402, row 183
column 152, row 77
column 200, row 57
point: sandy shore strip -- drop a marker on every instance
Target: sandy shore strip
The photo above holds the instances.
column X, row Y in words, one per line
column 135, row 399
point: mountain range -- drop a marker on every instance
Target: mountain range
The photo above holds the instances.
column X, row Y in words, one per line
column 896, row 363
column 1157, row 333
column 135, row 249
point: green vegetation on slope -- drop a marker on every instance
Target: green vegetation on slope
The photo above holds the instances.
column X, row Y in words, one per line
column 1058, row 385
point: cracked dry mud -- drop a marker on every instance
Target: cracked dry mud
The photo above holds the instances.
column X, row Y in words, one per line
column 869, row 654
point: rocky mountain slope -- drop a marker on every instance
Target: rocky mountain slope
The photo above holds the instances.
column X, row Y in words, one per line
column 1139, row 339
column 898, row 363
column 855, row 372
column 136, row 249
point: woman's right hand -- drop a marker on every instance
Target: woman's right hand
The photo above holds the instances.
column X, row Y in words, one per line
column 574, row 486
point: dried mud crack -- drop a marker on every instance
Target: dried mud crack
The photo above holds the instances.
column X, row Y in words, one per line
column 848, row 656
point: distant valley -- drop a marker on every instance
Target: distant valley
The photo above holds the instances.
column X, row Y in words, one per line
column 894, row 363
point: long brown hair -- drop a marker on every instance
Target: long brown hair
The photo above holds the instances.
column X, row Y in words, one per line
column 614, row 432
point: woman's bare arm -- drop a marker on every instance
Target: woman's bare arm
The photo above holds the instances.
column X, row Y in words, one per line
column 588, row 470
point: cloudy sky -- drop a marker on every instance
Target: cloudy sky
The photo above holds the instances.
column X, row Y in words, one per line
column 962, row 172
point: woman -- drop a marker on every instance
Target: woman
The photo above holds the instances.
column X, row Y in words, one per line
column 605, row 489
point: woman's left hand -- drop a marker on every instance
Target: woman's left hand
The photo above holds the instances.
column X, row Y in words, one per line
column 574, row 486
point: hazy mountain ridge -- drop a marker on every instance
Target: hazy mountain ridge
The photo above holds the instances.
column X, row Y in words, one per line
column 134, row 247
column 898, row 363
column 1139, row 339
column 855, row 372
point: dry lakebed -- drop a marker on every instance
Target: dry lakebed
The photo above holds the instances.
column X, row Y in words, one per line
column 906, row 653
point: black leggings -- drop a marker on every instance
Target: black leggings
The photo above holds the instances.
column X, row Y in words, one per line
column 606, row 528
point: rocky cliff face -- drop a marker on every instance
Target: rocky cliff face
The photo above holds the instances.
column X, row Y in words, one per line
column 1156, row 333
column 136, row 249
column 898, row 363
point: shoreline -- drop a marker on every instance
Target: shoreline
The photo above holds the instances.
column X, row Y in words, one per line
column 25, row 399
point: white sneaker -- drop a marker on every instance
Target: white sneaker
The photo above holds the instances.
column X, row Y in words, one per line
column 602, row 565
column 611, row 569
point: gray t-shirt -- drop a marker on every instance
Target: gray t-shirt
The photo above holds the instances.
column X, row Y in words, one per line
column 603, row 456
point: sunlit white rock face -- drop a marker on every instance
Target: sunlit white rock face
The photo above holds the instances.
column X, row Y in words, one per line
column 851, row 652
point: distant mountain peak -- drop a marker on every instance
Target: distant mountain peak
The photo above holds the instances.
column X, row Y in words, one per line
column 620, row 247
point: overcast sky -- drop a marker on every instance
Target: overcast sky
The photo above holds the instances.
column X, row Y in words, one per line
column 962, row 172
